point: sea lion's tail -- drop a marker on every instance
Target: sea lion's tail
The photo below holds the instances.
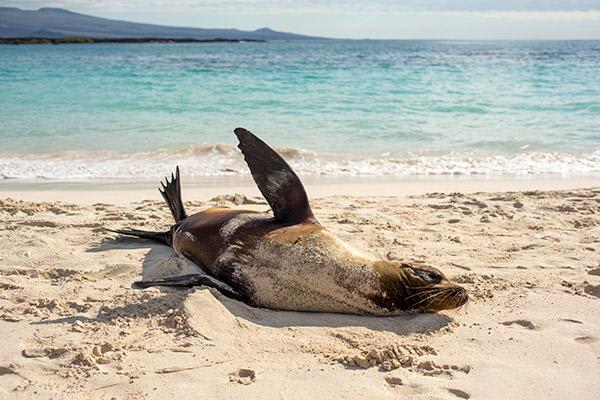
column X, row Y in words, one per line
column 171, row 192
column 161, row 237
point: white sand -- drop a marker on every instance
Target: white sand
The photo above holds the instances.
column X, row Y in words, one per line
column 71, row 326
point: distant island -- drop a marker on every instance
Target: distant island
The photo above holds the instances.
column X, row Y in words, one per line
column 59, row 26
column 76, row 40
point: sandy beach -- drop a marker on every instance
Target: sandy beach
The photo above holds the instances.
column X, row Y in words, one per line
column 72, row 326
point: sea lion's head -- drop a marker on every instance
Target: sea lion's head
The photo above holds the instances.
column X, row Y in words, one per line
column 417, row 287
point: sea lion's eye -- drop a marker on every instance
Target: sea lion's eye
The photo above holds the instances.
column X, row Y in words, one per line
column 428, row 275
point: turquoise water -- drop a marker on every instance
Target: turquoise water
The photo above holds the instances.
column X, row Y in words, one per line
column 334, row 107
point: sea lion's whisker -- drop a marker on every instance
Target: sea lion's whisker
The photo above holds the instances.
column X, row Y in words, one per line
column 459, row 297
column 447, row 293
column 451, row 312
column 417, row 294
column 460, row 308
column 455, row 297
column 420, row 287
column 421, row 292
column 431, row 296
column 420, row 302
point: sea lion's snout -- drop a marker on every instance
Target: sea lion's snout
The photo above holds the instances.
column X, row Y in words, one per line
column 417, row 287
column 432, row 291
column 446, row 299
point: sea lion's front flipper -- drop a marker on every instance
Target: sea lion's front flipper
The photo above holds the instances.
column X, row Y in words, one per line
column 190, row 280
column 161, row 237
column 278, row 183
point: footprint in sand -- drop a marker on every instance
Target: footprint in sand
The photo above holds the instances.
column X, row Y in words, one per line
column 243, row 376
column 522, row 322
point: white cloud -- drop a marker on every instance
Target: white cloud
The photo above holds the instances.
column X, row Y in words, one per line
column 315, row 6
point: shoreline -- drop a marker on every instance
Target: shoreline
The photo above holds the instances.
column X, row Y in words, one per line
column 127, row 191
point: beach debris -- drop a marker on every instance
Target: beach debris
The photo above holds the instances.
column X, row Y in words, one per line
column 460, row 266
column 173, row 369
column 170, row 370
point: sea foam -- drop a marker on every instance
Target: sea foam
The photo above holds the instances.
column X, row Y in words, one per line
column 226, row 160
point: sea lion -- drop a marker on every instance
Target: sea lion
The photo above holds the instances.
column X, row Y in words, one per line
column 288, row 260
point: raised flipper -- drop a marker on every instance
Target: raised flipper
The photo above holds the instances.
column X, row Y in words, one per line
column 190, row 280
column 171, row 192
column 275, row 179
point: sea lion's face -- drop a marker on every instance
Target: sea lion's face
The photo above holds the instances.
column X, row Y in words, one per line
column 419, row 287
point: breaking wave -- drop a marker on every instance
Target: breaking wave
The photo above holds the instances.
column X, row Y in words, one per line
column 223, row 160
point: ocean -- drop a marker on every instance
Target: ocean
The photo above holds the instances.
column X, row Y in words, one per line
column 333, row 108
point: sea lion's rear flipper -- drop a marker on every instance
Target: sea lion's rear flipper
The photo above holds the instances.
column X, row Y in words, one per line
column 278, row 183
column 171, row 192
column 190, row 280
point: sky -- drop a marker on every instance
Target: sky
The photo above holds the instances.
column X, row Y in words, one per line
column 375, row 19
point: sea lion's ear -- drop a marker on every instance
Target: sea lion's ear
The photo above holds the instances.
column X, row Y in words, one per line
column 275, row 179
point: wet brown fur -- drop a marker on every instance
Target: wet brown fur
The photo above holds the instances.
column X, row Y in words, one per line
column 200, row 238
